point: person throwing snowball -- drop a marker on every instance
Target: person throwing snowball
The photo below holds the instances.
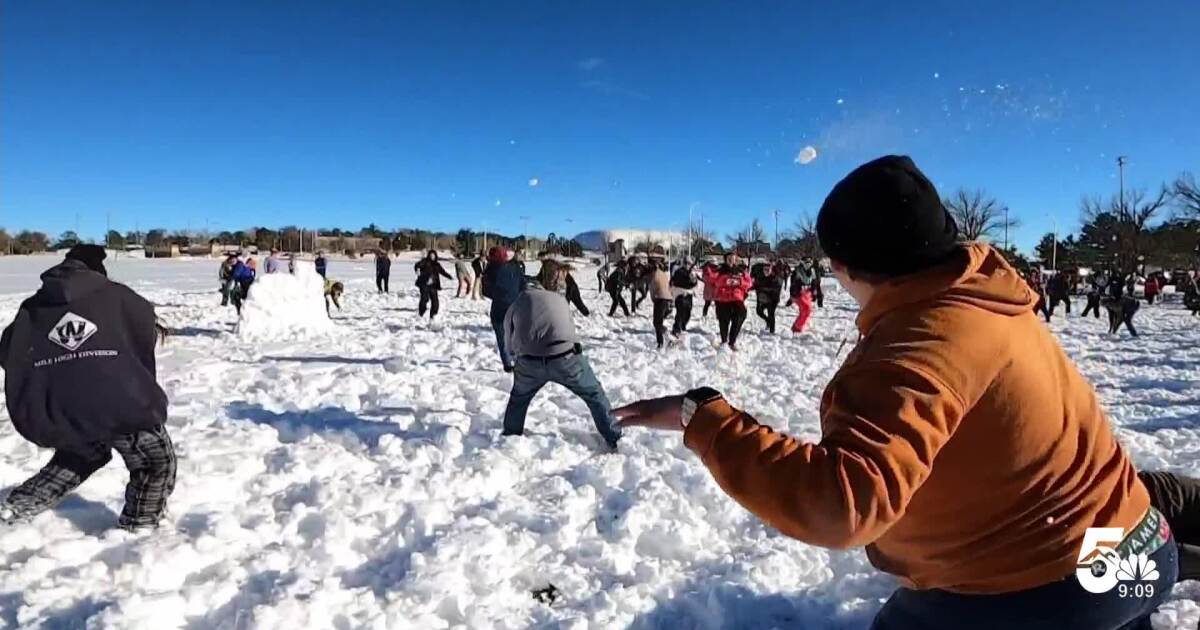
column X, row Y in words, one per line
column 959, row 443
column 539, row 333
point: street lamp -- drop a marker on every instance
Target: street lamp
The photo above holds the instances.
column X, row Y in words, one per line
column 1122, row 160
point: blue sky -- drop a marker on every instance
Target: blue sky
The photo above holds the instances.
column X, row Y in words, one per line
column 337, row 114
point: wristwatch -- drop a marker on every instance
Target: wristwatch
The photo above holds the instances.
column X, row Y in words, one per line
column 694, row 400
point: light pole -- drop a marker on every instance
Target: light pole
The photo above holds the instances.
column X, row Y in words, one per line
column 1054, row 248
column 776, row 247
column 1122, row 160
column 1006, row 228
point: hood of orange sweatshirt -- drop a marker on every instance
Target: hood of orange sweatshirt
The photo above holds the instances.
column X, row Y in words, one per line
column 977, row 275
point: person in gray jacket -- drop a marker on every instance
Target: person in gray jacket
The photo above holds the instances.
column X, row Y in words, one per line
column 538, row 331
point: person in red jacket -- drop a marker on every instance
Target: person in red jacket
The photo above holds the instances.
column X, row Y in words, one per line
column 731, row 284
column 1153, row 288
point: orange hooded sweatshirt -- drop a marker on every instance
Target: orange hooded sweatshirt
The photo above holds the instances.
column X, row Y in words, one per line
column 959, row 443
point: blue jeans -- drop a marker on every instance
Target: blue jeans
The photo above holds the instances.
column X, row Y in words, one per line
column 573, row 372
column 1061, row 605
column 498, row 328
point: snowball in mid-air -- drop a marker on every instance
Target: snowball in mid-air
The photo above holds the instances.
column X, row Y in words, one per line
column 806, row 155
column 497, row 203
column 285, row 306
column 840, row 101
column 533, row 182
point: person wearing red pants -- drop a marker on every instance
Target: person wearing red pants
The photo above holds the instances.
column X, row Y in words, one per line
column 802, row 294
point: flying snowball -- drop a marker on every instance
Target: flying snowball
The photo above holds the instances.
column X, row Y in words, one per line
column 937, row 75
column 497, row 203
column 840, row 101
column 806, row 155
column 533, row 182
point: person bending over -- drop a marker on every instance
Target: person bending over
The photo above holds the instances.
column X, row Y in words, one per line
column 80, row 378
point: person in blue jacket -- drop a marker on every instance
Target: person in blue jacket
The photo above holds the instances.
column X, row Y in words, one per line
column 242, row 277
column 503, row 282
column 321, row 264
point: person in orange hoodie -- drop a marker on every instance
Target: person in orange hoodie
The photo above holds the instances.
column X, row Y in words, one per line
column 959, row 443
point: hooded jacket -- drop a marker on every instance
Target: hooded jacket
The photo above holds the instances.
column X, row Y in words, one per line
column 710, row 287
column 730, row 284
column 616, row 282
column 958, row 441
column 383, row 265
column 768, row 287
column 683, row 281
column 502, row 284
column 430, row 273
column 79, row 364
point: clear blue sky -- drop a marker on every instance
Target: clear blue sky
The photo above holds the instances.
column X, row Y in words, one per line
column 425, row 114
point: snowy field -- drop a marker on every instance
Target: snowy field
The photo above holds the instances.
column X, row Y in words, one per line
column 358, row 479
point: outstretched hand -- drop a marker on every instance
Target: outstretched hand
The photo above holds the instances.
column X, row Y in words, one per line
column 656, row 413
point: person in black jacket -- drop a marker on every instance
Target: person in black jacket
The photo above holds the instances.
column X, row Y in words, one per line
column 80, row 378
column 683, row 287
column 767, row 289
column 503, row 283
column 429, row 281
column 225, row 277
column 383, row 270
column 616, row 288
column 321, row 264
column 477, row 265
column 1057, row 290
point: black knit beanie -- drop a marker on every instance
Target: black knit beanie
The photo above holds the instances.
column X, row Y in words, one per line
column 886, row 218
column 91, row 255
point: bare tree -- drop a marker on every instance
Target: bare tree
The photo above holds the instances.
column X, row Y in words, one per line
column 802, row 239
column 1187, row 195
column 978, row 215
column 747, row 239
column 1126, row 220
column 702, row 240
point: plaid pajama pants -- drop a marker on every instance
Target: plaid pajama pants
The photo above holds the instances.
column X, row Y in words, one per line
column 149, row 456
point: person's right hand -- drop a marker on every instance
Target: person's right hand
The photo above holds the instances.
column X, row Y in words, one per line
column 664, row 414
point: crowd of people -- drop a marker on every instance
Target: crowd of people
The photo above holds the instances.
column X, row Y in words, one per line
column 1111, row 290
column 953, row 387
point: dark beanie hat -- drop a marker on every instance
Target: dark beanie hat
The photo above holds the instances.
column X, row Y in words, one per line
column 91, row 255
column 886, row 218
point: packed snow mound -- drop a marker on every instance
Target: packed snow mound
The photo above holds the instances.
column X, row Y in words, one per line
column 286, row 306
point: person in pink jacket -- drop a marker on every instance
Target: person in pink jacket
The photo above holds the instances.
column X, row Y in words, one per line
column 730, row 283
column 709, row 289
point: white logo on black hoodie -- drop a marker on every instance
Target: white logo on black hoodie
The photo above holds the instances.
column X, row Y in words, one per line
column 72, row 331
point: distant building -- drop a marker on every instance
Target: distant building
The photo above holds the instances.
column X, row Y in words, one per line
column 618, row 244
column 175, row 250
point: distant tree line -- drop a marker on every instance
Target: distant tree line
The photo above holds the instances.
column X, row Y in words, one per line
column 1118, row 232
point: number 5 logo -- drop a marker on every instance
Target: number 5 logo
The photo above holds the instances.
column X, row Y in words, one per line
column 1097, row 565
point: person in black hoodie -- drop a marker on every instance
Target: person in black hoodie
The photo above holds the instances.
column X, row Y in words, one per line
column 80, row 378
column 767, row 289
column 429, row 281
column 616, row 288
column 383, row 270
column 683, row 288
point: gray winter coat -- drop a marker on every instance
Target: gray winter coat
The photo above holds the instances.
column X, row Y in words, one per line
column 539, row 325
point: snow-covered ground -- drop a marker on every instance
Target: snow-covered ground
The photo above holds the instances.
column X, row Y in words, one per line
column 358, row 479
